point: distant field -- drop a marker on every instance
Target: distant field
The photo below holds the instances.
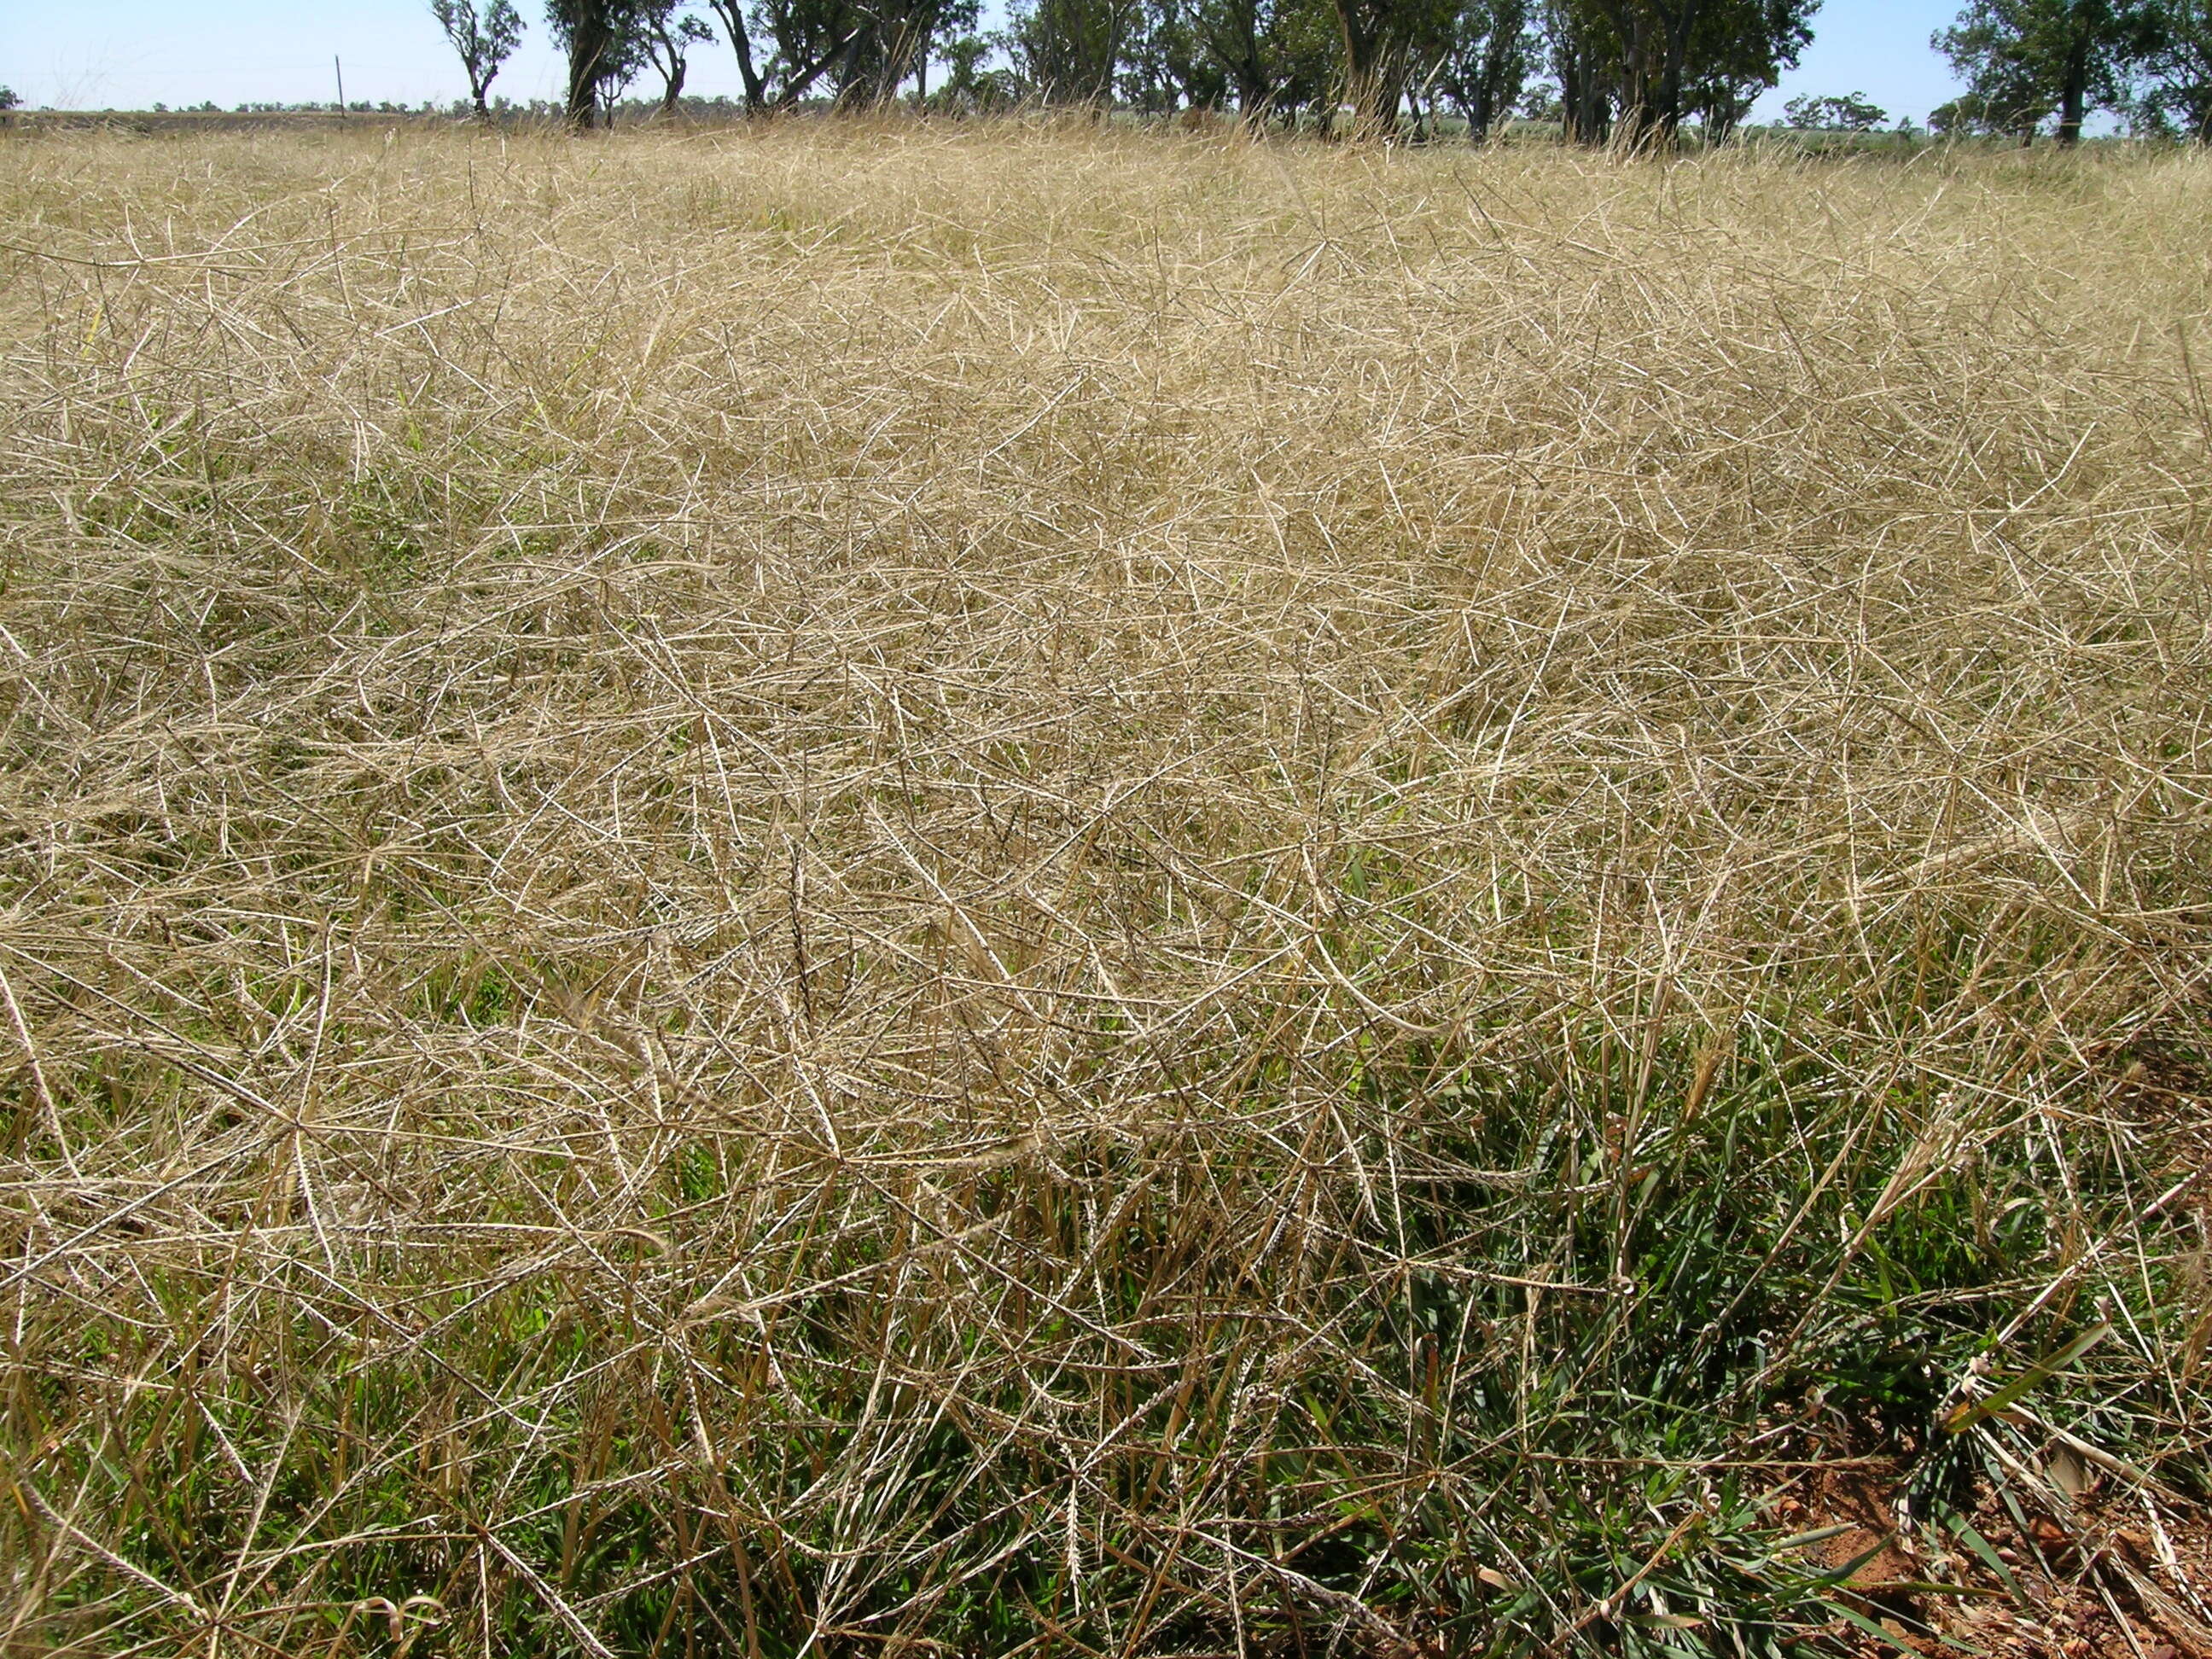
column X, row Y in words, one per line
column 874, row 890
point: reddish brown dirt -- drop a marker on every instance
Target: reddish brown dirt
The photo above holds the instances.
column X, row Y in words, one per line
column 2105, row 1578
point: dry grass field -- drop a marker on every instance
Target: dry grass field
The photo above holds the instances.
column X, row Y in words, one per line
column 883, row 890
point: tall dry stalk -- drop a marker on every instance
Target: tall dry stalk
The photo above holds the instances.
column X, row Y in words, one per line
column 890, row 889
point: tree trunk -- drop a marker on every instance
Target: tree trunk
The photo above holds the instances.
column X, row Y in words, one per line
column 1667, row 104
column 909, row 38
column 1585, row 102
column 590, row 47
column 1491, row 104
column 1374, row 78
column 1651, row 102
column 795, row 86
column 1240, row 58
column 732, row 14
column 2073, row 97
column 879, row 56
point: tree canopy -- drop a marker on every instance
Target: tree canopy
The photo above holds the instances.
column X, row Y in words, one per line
column 1632, row 70
column 1853, row 112
column 484, row 34
column 2176, row 69
column 1629, row 72
column 2024, row 61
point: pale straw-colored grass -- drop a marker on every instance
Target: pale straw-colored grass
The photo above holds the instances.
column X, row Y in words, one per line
column 936, row 888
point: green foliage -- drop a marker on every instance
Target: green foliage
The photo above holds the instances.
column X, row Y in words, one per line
column 1483, row 57
column 1684, row 1306
column 2176, row 94
column 1277, row 57
column 1167, row 65
column 1069, row 52
column 610, row 43
column 969, row 86
column 484, row 33
column 863, row 51
column 587, row 33
column 885, row 42
column 1853, row 112
column 667, row 32
column 1643, row 65
column 2025, row 61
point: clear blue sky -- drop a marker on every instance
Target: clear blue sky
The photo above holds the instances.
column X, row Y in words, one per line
column 131, row 54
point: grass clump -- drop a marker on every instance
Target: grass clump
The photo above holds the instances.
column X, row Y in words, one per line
column 886, row 889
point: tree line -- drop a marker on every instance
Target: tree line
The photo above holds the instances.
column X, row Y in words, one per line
column 2028, row 62
column 1626, row 72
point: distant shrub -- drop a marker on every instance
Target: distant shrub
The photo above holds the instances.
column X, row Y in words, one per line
column 1855, row 112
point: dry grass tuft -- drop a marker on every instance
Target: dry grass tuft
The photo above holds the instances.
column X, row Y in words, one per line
column 884, row 889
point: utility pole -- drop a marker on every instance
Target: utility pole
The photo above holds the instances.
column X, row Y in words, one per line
column 340, row 68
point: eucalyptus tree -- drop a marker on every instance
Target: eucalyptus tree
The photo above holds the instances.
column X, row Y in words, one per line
column 950, row 37
column 1666, row 48
column 2178, row 69
column 1280, row 57
column 1629, row 70
column 604, row 42
column 1476, row 54
column 1070, row 51
column 1376, row 38
column 1742, row 50
column 1721, row 102
column 1853, row 112
column 668, row 32
column 888, row 43
column 735, row 30
column 969, row 88
column 484, row 34
column 1488, row 49
column 786, row 47
column 1584, row 61
column 2025, row 61
column 1167, row 64
column 1232, row 32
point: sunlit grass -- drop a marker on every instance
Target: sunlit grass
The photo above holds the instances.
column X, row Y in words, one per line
column 892, row 889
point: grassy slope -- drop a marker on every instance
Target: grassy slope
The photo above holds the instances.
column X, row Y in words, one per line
column 1017, row 887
